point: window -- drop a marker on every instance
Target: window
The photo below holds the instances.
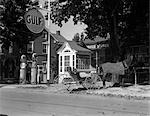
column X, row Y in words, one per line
column 83, row 62
column 45, row 36
column 60, row 63
column 44, row 48
column 30, row 46
column 73, row 59
column 44, row 68
column 67, row 51
column 67, row 62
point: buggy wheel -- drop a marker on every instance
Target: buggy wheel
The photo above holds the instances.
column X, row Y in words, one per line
column 96, row 81
column 68, row 81
column 88, row 83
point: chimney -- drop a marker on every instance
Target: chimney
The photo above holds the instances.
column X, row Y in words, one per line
column 58, row 32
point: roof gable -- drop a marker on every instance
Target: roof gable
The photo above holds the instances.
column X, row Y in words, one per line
column 73, row 46
column 57, row 37
column 65, row 48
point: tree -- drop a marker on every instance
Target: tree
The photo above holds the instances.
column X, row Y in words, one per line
column 79, row 39
column 76, row 37
column 119, row 18
column 82, row 36
column 12, row 24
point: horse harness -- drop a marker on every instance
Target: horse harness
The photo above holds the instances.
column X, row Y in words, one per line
column 125, row 65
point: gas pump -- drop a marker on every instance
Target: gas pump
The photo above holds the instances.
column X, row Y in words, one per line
column 23, row 65
column 34, row 69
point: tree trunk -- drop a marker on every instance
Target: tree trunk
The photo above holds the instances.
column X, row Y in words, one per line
column 114, row 42
column 16, row 53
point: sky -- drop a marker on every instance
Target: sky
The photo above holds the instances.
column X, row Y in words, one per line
column 68, row 30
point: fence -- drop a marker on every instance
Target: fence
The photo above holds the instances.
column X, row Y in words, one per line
column 139, row 72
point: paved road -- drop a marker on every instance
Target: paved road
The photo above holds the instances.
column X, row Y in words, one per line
column 23, row 102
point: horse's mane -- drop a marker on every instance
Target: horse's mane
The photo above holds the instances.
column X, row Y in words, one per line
column 129, row 59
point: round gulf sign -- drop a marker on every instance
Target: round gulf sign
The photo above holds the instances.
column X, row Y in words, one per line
column 34, row 21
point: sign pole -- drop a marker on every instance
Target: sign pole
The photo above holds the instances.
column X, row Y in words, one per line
column 35, row 23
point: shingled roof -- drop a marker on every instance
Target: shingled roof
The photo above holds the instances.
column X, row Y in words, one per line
column 77, row 47
column 97, row 40
column 58, row 38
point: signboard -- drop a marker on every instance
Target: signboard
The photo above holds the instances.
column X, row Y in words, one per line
column 97, row 46
column 34, row 21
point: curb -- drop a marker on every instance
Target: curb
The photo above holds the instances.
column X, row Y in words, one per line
column 25, row 86
column 60, row 89
column 2, row 85
column 32, row 86
column 126, row 96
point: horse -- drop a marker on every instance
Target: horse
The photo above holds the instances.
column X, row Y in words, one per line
column 117, row 68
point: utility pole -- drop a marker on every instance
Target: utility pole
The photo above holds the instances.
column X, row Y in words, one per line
column 49, row 48
column 117, row 48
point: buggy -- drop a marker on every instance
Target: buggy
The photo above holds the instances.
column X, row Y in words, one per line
column 85, row 78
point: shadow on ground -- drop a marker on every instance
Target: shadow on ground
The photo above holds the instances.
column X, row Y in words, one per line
column 3, row 115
